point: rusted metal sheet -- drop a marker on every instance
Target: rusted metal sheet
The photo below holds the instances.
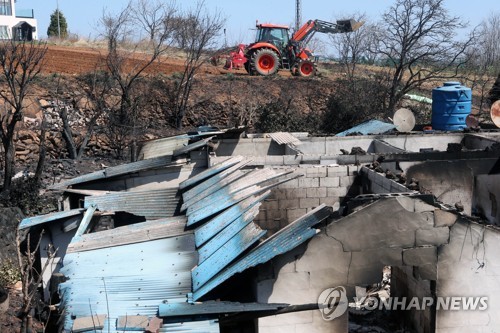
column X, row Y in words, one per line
column 214, row 308
column 163, row 146
column 134, row 233
column 210, row 172
column 222, row 256
column 153, row 204
column 127, row 279
column 227, row 233
column 283, row 241
column 42, row 219
column 116, row 171
column 285, row 138
column 221, row 221
column 221, row 179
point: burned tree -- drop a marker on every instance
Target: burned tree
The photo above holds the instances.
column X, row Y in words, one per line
column 21, row 63
column 195, row 33
column 418, row 45
column 124, row 38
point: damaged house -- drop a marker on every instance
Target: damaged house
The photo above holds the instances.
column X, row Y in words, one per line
column 213, row 233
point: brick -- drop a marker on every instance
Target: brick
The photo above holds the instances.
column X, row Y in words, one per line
column 319, row 192
column 336, row 192
column 270, row 204
column 277, row 193
column 294, row 183
column 308, row 182
column 309, row 202
column 330, row 182
column 443, row 218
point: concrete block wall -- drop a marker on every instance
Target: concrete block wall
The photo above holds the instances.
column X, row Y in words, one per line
column 469, row 266
column 319, row 184
column 374, row 182
column 353, row 252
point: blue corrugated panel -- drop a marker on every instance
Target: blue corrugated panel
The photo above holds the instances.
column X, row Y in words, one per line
column 214, row 183
column 151, row 204
column 227, row 233
column 221, row 221
column 228, row 201
column 213, row 307
column 283, row 241
column 42, row 219
column 116, row 171
column 370, row 127
column 224, row 255
column 254, row 177
column 211, row 171
column 127, row 280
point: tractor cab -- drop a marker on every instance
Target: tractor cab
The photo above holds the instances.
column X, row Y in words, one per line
column 271, row 33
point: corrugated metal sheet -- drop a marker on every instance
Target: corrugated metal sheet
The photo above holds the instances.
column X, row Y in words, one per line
column 228, row 201
column 163, row 147
column 221, row 221
column 127, row 280
column 370, row 127
column 224, row 255
column 150, row 204
column 283, row 241
column 285, row 138
column 116, row 171
column 192, row 146
column 216, row 194
column 211, row 171
column 134, row 233
column 41, row 219
column 213, row 307
column 221, row 179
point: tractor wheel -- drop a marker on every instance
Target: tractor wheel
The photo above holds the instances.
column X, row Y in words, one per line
column 265, row 62
column 306, row 68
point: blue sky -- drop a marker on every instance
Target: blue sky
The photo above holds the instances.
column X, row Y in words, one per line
column 83, row 16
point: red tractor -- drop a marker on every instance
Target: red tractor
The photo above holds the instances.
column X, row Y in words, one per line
column 274, row 49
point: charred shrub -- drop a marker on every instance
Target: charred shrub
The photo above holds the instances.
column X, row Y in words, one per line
column 282, row 116
column 353, row 102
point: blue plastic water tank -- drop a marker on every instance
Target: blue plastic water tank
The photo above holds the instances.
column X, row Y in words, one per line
column 451, row 104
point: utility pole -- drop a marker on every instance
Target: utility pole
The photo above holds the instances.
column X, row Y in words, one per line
column 298, row 15
column 58, row 24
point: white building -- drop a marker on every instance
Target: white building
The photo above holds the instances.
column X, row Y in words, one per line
column 15, row 23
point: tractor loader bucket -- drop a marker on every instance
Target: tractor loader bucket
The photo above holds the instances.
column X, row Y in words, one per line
column 349, row 25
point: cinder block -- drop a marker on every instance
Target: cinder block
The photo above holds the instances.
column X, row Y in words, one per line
column 270, row 204
column 292, row 159
column 347, row 181
column 308, row 182
column 319, row 192
column 288, row 203
column 336, row 192
column 320, row 172
column 443, row 218
column 274, row 160
column 330, row 182
column 277, row 193
column 434, row 236
column 294, row 183
column 341, row 170
column 295, row 213
column 420, row 256
column 421, row 206
column 308, row 202
column 296, row 193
